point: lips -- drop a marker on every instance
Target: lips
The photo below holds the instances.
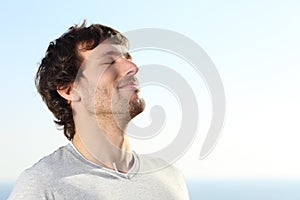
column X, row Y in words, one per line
column 130, row 83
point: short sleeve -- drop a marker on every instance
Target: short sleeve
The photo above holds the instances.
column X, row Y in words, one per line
column 29, row 186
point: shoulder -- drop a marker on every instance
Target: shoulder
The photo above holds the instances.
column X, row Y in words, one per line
column 30, row 186
column 50, row 164
column 35, row 182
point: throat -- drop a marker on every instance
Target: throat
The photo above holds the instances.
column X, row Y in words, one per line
column 107, row 150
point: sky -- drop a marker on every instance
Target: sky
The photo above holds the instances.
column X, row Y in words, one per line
column 254, row 45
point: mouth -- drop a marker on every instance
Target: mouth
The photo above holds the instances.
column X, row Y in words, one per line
column 132, row 86
column 129, row 85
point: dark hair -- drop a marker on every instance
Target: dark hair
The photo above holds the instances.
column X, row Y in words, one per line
column 59, row 67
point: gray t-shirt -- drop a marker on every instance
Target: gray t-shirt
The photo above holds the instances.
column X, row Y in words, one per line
column 66, row 174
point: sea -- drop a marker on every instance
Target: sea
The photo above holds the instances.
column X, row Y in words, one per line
column 211, row 189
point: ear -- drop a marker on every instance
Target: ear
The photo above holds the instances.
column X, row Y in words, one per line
column 68, row 93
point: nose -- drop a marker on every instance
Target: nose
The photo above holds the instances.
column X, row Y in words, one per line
column 129, row 68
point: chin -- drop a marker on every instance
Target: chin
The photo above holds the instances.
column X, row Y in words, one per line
column 136, row 107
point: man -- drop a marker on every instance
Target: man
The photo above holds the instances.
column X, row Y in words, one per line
column 87, row 79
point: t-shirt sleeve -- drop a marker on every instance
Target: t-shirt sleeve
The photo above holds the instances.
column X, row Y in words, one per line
column 29, row 186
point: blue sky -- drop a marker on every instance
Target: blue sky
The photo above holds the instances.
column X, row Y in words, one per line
column 254, row 45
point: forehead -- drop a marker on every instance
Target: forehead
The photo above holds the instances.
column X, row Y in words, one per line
column 103, row 50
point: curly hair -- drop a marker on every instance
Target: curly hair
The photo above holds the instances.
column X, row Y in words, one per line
column 59, row 67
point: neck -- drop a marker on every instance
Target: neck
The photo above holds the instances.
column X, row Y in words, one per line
column 103, row 142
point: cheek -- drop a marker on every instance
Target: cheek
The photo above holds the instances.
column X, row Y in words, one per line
column 106, row 84
column 108, row 78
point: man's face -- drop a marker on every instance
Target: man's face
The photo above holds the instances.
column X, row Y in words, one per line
column 107, row 83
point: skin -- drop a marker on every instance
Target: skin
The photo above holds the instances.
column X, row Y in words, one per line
column 104, row 98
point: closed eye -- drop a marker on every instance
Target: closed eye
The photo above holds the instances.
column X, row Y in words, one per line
column 113, row 59
column 109, row 61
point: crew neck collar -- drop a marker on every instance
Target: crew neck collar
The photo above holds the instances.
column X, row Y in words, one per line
column 113, row 172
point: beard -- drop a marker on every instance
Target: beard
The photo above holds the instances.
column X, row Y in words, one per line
column 136, row 107
column 113, row 105
column 122, row 105
column 127, row 106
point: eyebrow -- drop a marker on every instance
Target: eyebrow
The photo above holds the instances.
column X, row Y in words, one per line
column 106, row 54
column 117, row 53
column 112, row 53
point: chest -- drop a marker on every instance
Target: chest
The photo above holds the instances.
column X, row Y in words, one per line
column 83, row 186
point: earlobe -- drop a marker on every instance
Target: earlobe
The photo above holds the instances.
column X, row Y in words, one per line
column 75, row 96
column 68, row 93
